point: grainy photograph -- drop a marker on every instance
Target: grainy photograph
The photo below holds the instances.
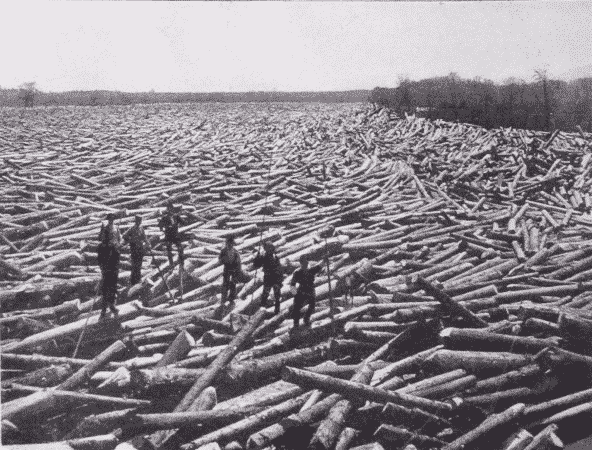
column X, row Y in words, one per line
column 296, row 225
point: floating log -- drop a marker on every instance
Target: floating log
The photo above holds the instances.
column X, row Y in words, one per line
column 476, row 362
column 468, row 339
column 486, row 426
column 253, row 421
column 357, row 391
column 329, row 430
column 501, row 238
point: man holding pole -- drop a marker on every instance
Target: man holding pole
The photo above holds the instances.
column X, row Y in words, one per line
column 231, row 260
column 169, row 223
column 272, row 274
column 136, row 238
column 305, row 293
column 108, row 256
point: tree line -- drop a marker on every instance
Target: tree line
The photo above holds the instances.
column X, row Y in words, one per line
column 29, row 95
column 542, row 104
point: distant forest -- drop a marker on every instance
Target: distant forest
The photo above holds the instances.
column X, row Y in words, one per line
column 543, row 104
column 29, row 95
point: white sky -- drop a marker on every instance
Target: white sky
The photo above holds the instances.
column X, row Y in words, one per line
column 241, row 46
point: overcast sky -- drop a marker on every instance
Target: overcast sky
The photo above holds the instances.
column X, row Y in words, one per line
column 236, row 46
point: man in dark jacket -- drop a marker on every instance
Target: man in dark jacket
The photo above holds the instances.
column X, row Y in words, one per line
column 170, row 222
column 108, row 256
column 304, row 278
column 272, row 274
column 136, row 237
column 231, row 260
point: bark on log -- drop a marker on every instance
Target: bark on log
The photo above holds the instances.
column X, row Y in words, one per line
column 518, row 441
column 356, row 391
column 468, row 339
column 545, row 439
column 252, row 422
column 489, row 424
column 447, row 301
column 213, row 371
column 476, row 362
column 330, row 428
column 390, row 435
column 177, row 350
column 266, row 436
column 43, row 377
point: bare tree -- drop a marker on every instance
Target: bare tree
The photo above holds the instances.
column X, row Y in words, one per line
column 542, row 76
column 405, row 103
column 27, row 92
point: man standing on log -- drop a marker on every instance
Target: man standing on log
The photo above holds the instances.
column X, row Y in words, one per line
column 272, row 274
column 231, row 260
column 108, row 255
column 170, row 222
column 136, row 238
column 305, row 293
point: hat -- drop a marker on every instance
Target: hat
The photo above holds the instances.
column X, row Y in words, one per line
column 137, row 216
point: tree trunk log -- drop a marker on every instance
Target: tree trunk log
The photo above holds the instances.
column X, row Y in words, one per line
column 330, row 428
column 486, row 426
column 356, row 391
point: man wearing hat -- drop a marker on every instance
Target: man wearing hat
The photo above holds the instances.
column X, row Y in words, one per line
column 272, row 274
column 170, row 222
column 136, row 238
column 108, row 255
column 231, row 260
column 305, row 293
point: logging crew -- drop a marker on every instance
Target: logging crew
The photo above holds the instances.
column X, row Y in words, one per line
column 170, row 222
column 272, row 274
column 108, row 255
column 305, row 293
column 231, row 260
column 136, row 238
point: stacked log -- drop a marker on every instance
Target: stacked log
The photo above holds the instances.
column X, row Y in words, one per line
column 453, row 307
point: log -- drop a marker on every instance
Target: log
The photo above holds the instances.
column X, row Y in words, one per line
column 397, row 414
column 518, row 441
column 545, row 439
column 43, row 400
column 211, row 373
column 347, row 436
column 163, row 378
column 390, row 435
column 568, row 413
column 43, row 377
column 252, row 422
column 329, row 430
column 507, row 379
column 250, row 371
column 356, row 391
column 476, row 362
column 539, row 409
column 86, row 372
column 266, row 436
column 221, row 361
column 447, row 301
column 101, row 423
column 470, row 339
column 177, row 350
column 489, row 424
